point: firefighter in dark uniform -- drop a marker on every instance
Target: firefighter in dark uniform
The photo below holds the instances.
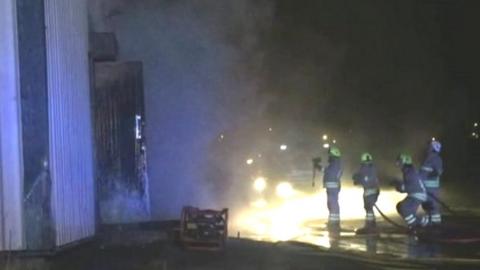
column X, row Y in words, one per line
column 416, row 193
column 430, row 172
column 331, row 182
column 366, row 176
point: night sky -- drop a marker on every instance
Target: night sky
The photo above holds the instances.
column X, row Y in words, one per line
column 381, row 76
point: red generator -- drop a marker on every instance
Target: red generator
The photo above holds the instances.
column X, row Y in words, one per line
column 203, row 229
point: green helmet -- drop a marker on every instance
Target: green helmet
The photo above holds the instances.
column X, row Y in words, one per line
column 366, row 158
column 404, row 159
column 334, row 151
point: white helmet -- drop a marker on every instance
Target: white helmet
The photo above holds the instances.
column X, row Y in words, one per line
column 436, row 146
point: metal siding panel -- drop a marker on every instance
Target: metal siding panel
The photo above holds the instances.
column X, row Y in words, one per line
column 70, row 121
column 11, row 173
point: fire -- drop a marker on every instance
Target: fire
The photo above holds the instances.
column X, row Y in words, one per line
column 292, row 217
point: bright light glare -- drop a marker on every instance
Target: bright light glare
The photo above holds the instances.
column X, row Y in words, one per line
column 260, row 184
column 325, row 137
column 283, row 147
column 261, row 203
column 475, row 124
column 249, row 161
column 298, row 216
column 326, row 145
column 284, row 190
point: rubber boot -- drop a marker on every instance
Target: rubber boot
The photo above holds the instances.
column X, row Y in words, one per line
column 369, row 228
column 333, row 228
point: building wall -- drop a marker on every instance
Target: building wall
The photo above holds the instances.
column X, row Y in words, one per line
column 11, row 167
column 71, row 165
column 34, row 111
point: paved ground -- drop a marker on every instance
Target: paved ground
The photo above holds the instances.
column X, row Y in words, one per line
column 140, row 248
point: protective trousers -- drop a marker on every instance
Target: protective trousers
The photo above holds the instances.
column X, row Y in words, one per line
column 432, row 207
column 333, row 206
column 407, row 208
column 368, row 203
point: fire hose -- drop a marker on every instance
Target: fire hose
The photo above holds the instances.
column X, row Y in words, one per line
column 435, row 198
column 389, row 220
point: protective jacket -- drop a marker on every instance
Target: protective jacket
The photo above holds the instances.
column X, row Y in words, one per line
column 333, row 173
column 431, row 170
column 412, row 185
column 366, row 176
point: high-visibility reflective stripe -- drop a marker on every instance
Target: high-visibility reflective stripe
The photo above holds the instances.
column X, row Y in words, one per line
column 410, row 218
column 371, row 191
column 419, row 196
column 410, row 221
column 428, row 169
column 436, row 216
column 331, row 184
column 334, row 215
column 424, row 221
column 432, row 183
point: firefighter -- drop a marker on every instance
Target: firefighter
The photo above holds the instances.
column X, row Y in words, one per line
column 416, row 193
column 366, row 176
column 331, row 182
column 430, row 172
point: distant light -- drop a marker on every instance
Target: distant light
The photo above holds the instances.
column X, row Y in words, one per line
column 334, row 141
column 475, row 124
column 260, row 184
column 325, row 137
column 270, row 129
column 283, row 147
column 222, row 136
column 474, row 134
column 259, row 155
column 434, row 139
column 284, row 190
column 249, row 161
column 326, row 145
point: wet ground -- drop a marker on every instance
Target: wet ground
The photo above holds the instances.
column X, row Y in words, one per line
column 298, row 218
column 154, row 247
column 457, row 239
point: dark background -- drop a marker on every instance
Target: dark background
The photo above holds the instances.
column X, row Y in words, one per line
column 379, row 76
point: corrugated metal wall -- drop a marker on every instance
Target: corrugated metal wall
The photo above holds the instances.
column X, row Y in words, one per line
column 70, row 122
column 11, row 178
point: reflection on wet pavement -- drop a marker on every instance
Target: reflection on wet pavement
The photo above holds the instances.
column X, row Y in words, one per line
column 292, row 221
